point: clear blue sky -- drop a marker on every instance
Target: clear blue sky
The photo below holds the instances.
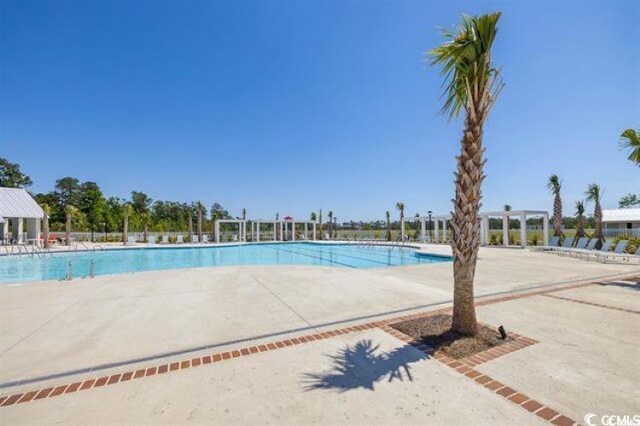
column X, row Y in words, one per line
column 289, row 106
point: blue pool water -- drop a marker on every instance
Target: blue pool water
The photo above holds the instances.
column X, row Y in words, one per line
column 54, row 267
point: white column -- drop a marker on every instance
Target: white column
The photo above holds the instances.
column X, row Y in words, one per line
column 505, row 230
column 314, row 231
column 402, row 230
column 258, row 231
column 306, row 230
column 281, row 231
column 444, row 230
column 293, row 231
column 217, row 231
column 545, row 229
column 33, row 230
column 423, row 230
column 436, row 229
column 523, row 230
column 275, row 224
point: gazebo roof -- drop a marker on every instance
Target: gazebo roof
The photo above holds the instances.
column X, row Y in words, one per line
column 16, row 202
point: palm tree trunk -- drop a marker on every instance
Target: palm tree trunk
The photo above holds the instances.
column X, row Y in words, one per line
column 557, row 216
column 125, row 229
column 465, row 241
column 580, row 230
column 45, row 225
column 200, row 224
column 67, row 230
column 597, row 215
column 190, row 226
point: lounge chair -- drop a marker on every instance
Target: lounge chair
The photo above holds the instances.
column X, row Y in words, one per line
column 626, row 257
column 580, row 245
column 179, row 239
column 590, row 247
column 205, row 238
column 194, row 239
column 618, row 250
column 131, row 241
column 234, row 237
column 151, row 239
column 606, row 246
column 553, row 242
column 165, row 239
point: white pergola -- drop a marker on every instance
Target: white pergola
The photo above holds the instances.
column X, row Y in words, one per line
column 437, row 221
column 242, row 228
column 285, row 227
column 522, row 216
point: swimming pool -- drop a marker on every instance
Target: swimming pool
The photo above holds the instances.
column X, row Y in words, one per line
column 117, row 261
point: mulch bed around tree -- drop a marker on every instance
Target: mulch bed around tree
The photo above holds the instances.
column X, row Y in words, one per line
column 435, row 331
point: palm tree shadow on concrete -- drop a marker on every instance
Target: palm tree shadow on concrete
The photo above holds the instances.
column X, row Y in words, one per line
column 362, row 366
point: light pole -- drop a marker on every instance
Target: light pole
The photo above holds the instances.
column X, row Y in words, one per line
column 430, row 238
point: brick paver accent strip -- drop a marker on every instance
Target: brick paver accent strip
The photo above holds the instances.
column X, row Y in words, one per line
column 599, row 305
column 463, row 366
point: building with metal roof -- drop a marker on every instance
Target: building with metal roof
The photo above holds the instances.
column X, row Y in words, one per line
column 620, row 222
column 17, row 209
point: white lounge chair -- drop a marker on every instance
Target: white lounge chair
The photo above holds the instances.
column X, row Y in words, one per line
column 179, row 239
column 205, row 238
column 151, row 239
column 131, row 241
column 165, row 239
column 194, row 238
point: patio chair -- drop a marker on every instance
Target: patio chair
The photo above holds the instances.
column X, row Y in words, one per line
column 179, row 239
column 606, row 246
column 580, row 245
column 590, row 247
column 151, row 239
column 194, row 239
column 165, row 239
column 553, row 242
column 205, row 238
column 618, row 250
column 131, row 241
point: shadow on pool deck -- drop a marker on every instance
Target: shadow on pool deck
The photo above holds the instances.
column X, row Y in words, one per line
column 359, row 366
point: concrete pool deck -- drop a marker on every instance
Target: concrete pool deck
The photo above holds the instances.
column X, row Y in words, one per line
column 60, row 332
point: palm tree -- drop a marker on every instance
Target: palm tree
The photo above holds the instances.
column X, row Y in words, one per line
column 472, row 83
column 630, row 139
column 594, row 194
column 400, row 207
column 69, row 212
column 45, row 224
column 200, row 208
column 190, row 224
column 244, row 214
column 320, row 237
column 127, row 210
column 388, row 233
column 330, row 214
column 579, row 219
column 554, row 185
column 507, row 208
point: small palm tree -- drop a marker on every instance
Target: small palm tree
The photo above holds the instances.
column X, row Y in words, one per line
column 472, row 83
column 320, row 237
column 330, row 214
column 200, row 208
column 127, row 210
column 190, row 224
column 507, row 208
column 630, row 139
column 69, row 212
column 554, row 185
column 594, row 195
column 45, row 224
column 580, row 219
column 388, row 233
column 244, row 214
column 400, row 207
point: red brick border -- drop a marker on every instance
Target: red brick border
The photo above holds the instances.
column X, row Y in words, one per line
column 29, row 396
column 599, row 305
column 465, row 366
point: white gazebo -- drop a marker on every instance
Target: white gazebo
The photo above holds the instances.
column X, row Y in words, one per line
column 522, row 216
column 286, row 227
column 242, row 228
column 17, row 207
column 255, row 228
